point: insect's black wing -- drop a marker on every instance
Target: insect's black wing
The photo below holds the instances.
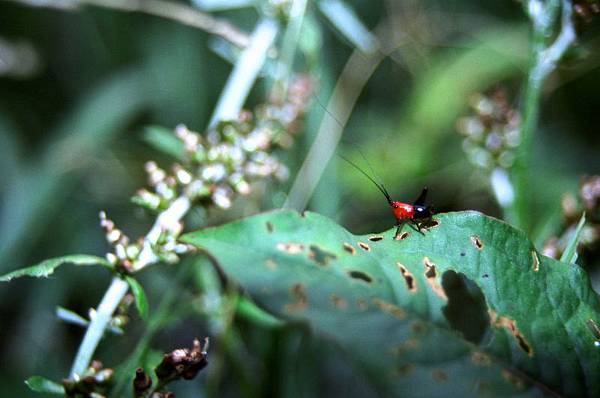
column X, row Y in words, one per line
column 421, row 199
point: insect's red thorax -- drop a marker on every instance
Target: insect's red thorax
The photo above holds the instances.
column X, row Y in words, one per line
column 402, row 211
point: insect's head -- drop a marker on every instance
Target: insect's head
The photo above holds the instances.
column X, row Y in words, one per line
column 422, row 212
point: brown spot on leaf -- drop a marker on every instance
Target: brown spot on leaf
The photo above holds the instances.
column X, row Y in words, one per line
column 269, row 226
column 291, row 248
column 364, row 246
column 440, row 376
column 362, row 304
column 536, row 261
column 418, row 328
column 390, row 308
column 402, row 236
column 411, row 344
column 300, row 300
column 511, row 326
column 349, row 248
column 270, row 264
column 480, row 359
column 375, row 238
column 431, row 275
column 320, row 256
column 409, row 278
column 405, row 369
column 360, row 275
column 477, row 242
column 338, row 302
column 513, row 379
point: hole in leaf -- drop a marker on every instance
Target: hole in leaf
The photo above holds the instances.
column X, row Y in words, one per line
column 463, row 254
column 432, row 280
column 402, row 236
column 511, row 326
column 291, row 248
column 364, row 246
column 408, row 278
column 375, row 238
column 269, row 227
column 320, row 256
column 432, row 224
column 477, row 242
column 348, row 247
column 360, row 275
column 466, row 310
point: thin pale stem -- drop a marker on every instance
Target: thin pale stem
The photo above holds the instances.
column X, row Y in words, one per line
column 113, row 296
column 353, row 78
column 171, row 10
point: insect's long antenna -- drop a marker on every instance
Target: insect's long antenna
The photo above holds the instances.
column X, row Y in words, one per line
column 378, row 185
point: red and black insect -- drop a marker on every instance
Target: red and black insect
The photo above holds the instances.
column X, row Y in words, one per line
column 417, row 214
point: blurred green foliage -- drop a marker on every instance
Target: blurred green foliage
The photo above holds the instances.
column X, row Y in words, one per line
column 73, row 143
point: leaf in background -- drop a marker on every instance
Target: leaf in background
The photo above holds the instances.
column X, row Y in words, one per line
column 97, row 118
column 164, row 140
column 256, row 315
column 349, row 25
column 141, row 301
column 43, row 385
column 570, row 253
column 47, row 267
column 469, row 307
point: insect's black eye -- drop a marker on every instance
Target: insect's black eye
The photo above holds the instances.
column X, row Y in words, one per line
column 422, row 211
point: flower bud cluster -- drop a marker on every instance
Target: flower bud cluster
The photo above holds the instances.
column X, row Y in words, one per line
column 212, row 170
column 588, row 201
column 492, row 133
column 124, row 252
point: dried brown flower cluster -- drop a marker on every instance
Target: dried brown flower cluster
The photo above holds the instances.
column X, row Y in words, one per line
column 573, row 207
column 91, row 384
column 182, row 363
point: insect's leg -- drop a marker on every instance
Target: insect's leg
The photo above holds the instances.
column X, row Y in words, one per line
column 416, row 226
column 399, row 226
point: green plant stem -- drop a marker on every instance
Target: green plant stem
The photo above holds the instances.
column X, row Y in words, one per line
column 113, row 296
column 545, row 59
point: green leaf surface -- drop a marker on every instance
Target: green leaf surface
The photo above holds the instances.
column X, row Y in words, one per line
column 43, row 385
column 141, row 301
column 570, row 253
column 47, row 267
column 469, row 307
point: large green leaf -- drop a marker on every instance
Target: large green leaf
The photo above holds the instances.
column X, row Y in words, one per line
column 469, row 307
